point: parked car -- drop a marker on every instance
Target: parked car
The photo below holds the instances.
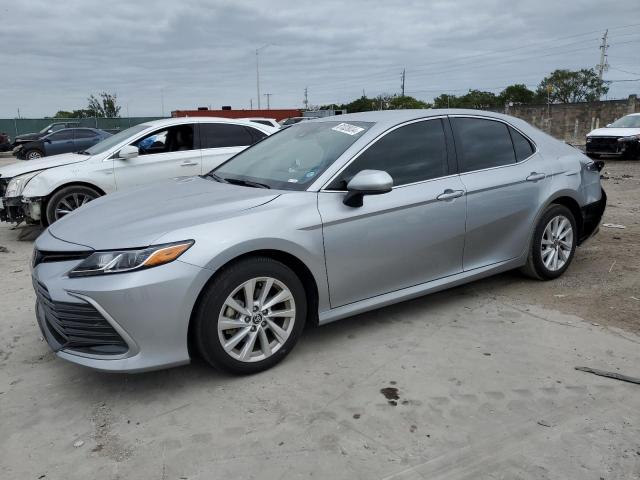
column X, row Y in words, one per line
column 618, row 139
column 61, row 141
column 323, row 220
column 46, row 189
column 271, row 122
column 52, row 127
column 293, row 120
column 5, row 142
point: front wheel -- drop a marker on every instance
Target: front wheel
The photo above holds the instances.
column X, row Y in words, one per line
column 33, row 154
column 553, row 245
column 68, row 199
column 250, row 316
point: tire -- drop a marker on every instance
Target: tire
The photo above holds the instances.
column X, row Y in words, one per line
column 249, row 354
column 541, row 262
column 68, row 199
column 33, row 154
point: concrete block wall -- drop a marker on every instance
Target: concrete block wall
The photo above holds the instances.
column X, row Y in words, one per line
column 572, row 121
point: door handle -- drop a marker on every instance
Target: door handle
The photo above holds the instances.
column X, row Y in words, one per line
column 534, row 177
column 188, row 164
column 449, row 194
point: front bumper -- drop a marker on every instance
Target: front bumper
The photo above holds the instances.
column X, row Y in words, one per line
column 19, row 209
column 145, row 314
column 612, row 146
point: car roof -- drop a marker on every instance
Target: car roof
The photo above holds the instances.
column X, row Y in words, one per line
column 168, row 122
column 394, row 117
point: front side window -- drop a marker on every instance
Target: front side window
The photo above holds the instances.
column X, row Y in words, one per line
column 114, row 140
column 220, row 135
column 413, row 153
column 293, row 158
column 482, row 143
column 172, row 139
column 61, row 135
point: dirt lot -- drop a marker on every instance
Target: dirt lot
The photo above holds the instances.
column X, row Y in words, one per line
column 483, row 374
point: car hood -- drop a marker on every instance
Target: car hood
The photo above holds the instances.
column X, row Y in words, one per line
column 138, row 217
column 613, row 132
column 26, row 166
column 29, row 136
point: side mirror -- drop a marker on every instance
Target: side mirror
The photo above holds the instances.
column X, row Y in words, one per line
column 47, row 140
column 608, row 125
column 127, row 152
column 367, row 182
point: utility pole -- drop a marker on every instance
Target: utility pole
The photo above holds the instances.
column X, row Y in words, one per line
column 268, row 95
column 251, row 104
column 306, row 98
column 603, row 66
column 258, row 71
column 162, row 100
column 403, row 77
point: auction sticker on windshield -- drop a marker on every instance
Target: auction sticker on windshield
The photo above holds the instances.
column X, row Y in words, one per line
column 348, row 129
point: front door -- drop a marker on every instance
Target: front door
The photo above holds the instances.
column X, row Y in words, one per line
column 406, row 237
column 60, row 142
column 166, row 153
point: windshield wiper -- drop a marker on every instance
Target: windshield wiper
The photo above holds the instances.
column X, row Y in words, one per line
column 83, row 152
column 215, row 177
column 246, row 183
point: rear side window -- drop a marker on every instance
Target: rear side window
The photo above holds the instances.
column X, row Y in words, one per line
column 521, row 145
column 256, row 134
column 482, row 143
column 413, row 153
column 218, row 135
column 85, row 133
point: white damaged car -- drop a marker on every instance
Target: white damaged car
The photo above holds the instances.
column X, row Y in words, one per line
column 42, row 191
column 618, row 139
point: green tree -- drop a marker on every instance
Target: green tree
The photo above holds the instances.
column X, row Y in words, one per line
column 567, row 86
column 399, row 102
column 105, row 106
column 518, row 94
column 446, row 101
column 82, row 113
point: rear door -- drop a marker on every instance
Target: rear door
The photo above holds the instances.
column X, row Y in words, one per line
column 406, row 237
column 498, row 167
column 85, row 138
column 165, row 153
column 220, row 141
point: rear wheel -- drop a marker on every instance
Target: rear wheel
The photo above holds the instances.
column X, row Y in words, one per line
column 553, row 245
column 250, row 316
column 68, row 199
column 33, row 154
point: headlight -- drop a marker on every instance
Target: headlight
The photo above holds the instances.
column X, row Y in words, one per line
column 120, row 261
column 17, row 184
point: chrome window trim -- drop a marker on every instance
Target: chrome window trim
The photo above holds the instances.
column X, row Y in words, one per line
column 481, row 117
column 374, row 141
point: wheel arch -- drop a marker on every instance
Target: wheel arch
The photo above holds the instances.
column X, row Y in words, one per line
column 299, row 268
column 46, row 198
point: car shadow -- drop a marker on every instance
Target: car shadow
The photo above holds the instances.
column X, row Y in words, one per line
column 28, row 233
column 198, row 375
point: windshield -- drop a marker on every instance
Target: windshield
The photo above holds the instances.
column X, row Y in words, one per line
column 630, row 121
column 114, row 140
column 292, row 158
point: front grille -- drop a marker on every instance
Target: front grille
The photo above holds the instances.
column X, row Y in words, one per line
column 42, row 256
column 77, row 326
column 603, row 144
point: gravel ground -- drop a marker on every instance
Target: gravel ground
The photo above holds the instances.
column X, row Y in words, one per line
column 483, row 374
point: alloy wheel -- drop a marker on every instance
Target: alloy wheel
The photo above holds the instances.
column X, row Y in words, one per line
column 557, row 243
column 71, row 202
column 33, row 155
column 256, row 319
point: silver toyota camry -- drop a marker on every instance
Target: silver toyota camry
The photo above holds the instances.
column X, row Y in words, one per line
column 323, row 220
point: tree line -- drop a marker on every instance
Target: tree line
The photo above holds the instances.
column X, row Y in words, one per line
column 561, row 86
column 102, row 106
